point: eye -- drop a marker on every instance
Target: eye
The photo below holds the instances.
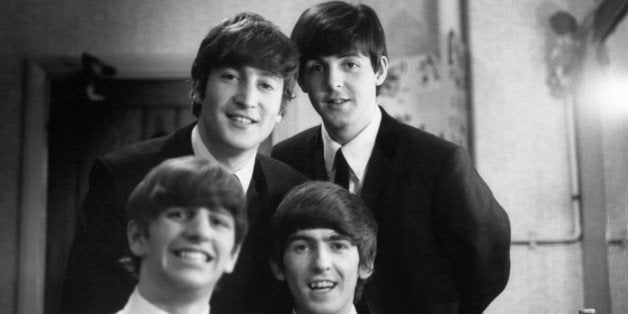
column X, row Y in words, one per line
column 314, row 68
column 178, row 214
column 300, row 247
column 220, row 220
column 340, row 245
column 351, row 65
column 266, row 86
column 217, row 221
column 229, row 75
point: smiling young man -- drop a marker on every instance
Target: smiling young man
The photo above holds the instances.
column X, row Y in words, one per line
column 443, row 238
column 324, row 246
column 243, row 78
column 187, row 220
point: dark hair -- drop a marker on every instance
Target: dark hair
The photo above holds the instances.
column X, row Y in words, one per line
column 190, row 182
column 246, row 39
column 319, row 204
column 336, row 27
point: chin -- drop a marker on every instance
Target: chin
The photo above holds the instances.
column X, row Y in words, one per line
column 323, row 308
column 191, row 283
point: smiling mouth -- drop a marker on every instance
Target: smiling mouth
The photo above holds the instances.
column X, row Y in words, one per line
column 193, row 256
column 336, row 101
column 241, row 119
column 322, row 285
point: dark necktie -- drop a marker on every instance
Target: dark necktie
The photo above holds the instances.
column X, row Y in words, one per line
column 342, row 170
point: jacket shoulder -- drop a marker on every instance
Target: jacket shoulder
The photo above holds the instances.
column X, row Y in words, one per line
column 299, row 141
column 279, row 175
column 400, row 139
column 148, row 154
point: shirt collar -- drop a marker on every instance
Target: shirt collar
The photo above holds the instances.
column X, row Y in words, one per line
column 357, row 152
column 244, row 174
column 138, row 304
column 353, row 310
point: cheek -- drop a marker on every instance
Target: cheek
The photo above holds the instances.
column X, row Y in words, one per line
column 312, row 84
column 272, row 104
column 294, row 266
column 351, row 263
column 228, row 242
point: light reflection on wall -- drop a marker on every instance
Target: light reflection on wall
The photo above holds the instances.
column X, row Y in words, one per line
column 613, row 95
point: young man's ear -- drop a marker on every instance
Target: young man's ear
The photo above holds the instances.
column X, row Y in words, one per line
column 136, row 238
column 230, row 266
column 382, row 71
column 279, row 274
column 195, row 96
column 364, row 272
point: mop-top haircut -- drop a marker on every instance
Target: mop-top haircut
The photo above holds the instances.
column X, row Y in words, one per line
column 336, row 28
column 189, row 182
column 317, row 204
column 246, row 39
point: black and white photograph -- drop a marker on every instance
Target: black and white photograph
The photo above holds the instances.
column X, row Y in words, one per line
column 314, row 157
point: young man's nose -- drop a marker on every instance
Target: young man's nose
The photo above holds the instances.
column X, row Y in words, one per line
column 198, row 228
column 335, row 78
column 321, row 260
column 246, row 95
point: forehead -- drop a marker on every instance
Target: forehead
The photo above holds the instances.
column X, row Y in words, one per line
column 217, row 210
column 330, row 58
column 317, row 234
column 249, row 70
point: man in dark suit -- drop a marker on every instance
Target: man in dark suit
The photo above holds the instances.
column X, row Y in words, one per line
column 243, row 77
column 324, row 243
column 443, row 242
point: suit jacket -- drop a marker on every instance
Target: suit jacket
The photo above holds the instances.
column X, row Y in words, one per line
column 443, row 240
column 96, row 282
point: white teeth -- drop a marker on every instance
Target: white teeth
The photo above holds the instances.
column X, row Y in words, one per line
column 241, row 119
column 193, row 256
column 320, row 285
column 336, row 101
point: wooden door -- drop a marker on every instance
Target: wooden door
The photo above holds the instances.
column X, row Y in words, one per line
column 133, row 109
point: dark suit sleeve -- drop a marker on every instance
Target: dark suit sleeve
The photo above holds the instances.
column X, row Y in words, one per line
column 95, row 281
column 474, row 232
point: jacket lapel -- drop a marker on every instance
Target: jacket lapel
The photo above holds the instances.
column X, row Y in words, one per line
column 182, row 142
column 379, row 169
column 313, row 153
column 257, row 194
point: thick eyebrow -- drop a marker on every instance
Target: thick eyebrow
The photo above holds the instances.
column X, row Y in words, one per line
column 269, row 74
column 298, row 237
column 334, row 237
column 349, row 54
column 339, row 56
column 240, row 69
column 338, row 237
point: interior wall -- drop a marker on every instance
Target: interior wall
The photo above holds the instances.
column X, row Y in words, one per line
column 521, row 144
column 615, row 146
column 10, row 128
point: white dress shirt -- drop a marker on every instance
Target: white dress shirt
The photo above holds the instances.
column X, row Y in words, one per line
column 138, row 305
column 357, row 152
column 244, row 174
column 353, row 310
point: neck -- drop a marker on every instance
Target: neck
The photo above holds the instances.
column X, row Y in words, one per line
column 342, row 136
column 174, row 300
column 346, row 133
column 346, row 309
column 230, row 158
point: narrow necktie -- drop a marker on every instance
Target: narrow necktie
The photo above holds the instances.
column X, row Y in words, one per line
column 236, row 179
column 342, row 170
